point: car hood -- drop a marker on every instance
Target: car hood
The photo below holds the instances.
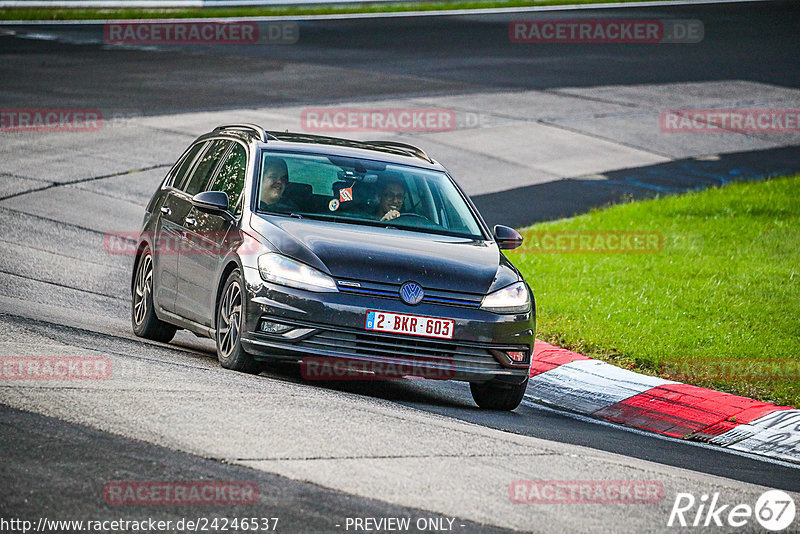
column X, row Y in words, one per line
column 391, row 256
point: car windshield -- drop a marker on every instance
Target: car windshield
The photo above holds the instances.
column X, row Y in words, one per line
column 359, row 191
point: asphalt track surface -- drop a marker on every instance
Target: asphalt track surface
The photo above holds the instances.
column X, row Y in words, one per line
column 86, row 456
column 397, row 57
column 401, row 57
column 53, row 466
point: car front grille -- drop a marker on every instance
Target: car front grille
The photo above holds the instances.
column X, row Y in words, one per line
column 392, row 291
column 388, row 347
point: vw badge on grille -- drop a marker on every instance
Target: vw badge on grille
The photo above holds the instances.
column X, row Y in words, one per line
column 411, row 293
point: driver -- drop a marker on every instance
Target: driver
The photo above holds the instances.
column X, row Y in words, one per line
column 391, row 201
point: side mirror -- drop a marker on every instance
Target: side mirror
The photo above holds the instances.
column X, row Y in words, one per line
column 211, row 201
column 507, row 238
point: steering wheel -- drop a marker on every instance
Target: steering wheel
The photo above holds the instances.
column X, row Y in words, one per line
column 416, row 215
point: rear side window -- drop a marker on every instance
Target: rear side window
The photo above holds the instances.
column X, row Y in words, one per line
column 208, row 162
column 231, row 175
column 179, row 177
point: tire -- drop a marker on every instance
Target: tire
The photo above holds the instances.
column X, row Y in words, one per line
column 491, row 396
column 230, row 353
column 144, row 320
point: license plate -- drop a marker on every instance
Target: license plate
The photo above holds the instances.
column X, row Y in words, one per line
column 412, row 325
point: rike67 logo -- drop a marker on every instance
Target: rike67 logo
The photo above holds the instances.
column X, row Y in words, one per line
column 774, row 511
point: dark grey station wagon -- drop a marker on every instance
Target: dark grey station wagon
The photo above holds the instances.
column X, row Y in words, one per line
column 355, row 259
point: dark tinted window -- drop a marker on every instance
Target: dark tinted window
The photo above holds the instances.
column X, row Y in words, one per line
column 230, row 178
column 179, row 176
column 208, row 162
column 355, row 191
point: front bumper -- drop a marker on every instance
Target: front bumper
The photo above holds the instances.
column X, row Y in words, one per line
column 331, row 325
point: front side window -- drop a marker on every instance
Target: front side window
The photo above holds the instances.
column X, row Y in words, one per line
column 205, row 167
column 359, row 191
column 230, row 179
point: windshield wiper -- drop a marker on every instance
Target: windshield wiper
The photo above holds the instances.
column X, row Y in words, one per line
column 282, row 214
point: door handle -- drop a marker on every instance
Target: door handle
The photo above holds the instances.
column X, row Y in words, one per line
column 165, row 210
column 190, row 221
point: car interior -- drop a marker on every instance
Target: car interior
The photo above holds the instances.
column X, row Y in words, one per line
column 350, row 189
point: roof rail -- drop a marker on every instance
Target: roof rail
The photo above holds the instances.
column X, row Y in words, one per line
column 263, row 136
column 388, row 146
column 405, row 147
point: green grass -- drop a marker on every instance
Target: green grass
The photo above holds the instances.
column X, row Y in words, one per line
column 239, row 12
column 725, row 286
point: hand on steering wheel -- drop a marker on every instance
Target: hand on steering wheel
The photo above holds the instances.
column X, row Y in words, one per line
column 394, row 214
column 391, row 214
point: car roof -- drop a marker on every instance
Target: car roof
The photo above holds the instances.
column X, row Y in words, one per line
column 384, row 151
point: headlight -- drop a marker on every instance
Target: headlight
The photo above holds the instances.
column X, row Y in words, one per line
column 512, row 299
column 287, row 272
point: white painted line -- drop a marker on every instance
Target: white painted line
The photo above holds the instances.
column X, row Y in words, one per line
column 531, row 402
column 776, row 434
column 747, row 430
column 585, row 386
column 345, row 16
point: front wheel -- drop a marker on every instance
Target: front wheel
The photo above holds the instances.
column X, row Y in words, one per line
column 230, row 318
column 496, row 397
column 143, row 315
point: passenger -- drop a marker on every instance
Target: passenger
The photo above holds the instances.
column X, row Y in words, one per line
column 273, row 184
